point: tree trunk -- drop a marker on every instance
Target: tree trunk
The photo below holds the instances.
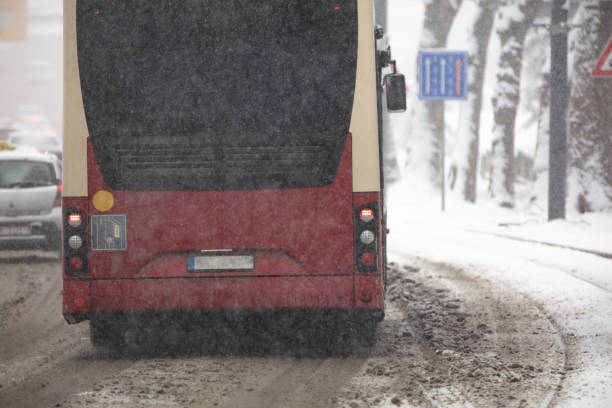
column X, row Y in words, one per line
column 427, row 118
column 512, row 22
column 539, row 193
column 465, row 161
column 590, row 138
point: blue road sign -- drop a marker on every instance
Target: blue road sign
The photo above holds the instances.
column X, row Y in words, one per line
column 443, row 74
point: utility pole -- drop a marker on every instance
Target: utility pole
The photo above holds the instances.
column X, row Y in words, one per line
column 380, row 12
column 559, row 94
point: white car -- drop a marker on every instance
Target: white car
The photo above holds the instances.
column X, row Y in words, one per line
column 30, row 199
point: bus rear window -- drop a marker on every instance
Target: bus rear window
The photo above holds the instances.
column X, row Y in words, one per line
column 217, row 94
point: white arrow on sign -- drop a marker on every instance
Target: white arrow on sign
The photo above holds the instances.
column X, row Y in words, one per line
column 604, row 63
column 443, row 77
column 427, row 75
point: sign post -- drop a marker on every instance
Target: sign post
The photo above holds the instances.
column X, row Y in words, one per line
column 559, row 95
column 443, row 76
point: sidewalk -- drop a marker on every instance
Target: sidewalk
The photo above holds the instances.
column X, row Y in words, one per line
column 591, row 232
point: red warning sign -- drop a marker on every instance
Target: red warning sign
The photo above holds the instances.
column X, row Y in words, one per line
column 604, row 63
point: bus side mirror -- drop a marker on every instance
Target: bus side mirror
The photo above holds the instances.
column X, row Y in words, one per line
column 395, row 88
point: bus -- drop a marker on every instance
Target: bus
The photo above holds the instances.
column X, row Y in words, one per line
column 221, row 155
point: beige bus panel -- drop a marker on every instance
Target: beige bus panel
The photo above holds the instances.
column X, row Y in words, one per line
column 75, row 127
column 364, row 119
column 13, row 17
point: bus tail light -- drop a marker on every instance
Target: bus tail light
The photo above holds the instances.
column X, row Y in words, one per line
column 367, row 232
column 367, row 259
column 58, row 197
column 75, row 264
column 75, row 242
column 367, row 237
column 366, row 215
column 75, row 219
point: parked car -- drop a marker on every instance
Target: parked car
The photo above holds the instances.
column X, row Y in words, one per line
column 6, row 127
column 43, row 141
column 30, row 198
column 31, row 117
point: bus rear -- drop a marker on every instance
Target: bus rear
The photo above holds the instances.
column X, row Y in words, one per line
column 221, row 155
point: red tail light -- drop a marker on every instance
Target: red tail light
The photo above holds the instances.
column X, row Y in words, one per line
column 367, row 233
column 58, row 197
column 75, row 264
column 74, row 236
column 75, row 219
column 367, row 259
column 366, row 215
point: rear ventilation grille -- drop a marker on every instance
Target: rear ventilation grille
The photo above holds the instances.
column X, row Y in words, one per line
column 174, row 166
column 226, row 160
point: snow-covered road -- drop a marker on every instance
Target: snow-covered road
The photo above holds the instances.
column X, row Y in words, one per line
column 450, row 338
column 573, row 288
column 473, row 320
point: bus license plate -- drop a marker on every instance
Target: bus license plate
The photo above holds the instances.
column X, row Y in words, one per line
column 15, row 230
column 220, row 263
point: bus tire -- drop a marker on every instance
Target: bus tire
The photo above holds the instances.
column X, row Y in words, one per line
column 367, row 333
column 102, row 333
column 365, row 325
column 96, row 334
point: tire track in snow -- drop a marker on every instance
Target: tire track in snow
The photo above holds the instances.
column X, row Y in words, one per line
column 304, row 384
column 574, row 290
column 42, row 359
column 452, row 339
column 552, row 396
column 567, row 272
column 550, row 244
column 463, row 282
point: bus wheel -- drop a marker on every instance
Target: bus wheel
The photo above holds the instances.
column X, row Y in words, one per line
column 364, row 326
column 97, row 333
column 367, row 334
column 103, row 333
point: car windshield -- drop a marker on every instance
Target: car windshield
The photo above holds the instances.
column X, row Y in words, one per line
column 35, row 140
column 17, row 173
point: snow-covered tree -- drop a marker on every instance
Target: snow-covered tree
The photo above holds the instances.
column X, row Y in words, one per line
column 464, row 164
column 427, row 118
column 513, row 19
column 590, row 122
column 539, row 192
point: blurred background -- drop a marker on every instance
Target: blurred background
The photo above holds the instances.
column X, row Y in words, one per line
column 31, row 68
column 495, row 143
